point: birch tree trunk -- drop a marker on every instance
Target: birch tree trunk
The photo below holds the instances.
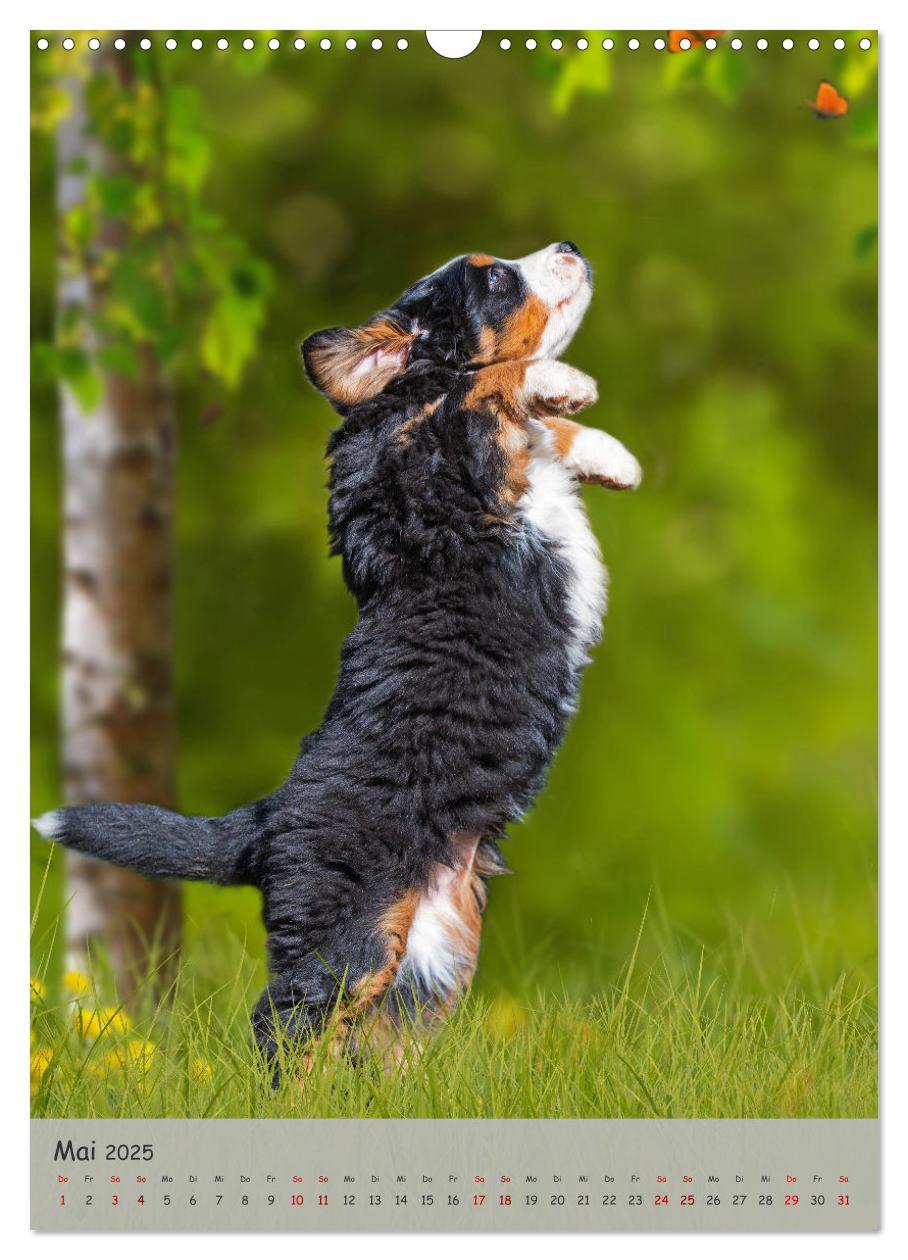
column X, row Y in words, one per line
column 117, row 703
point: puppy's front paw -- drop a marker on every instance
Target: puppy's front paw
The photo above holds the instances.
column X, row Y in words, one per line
column 598, row 457
column 551, row 388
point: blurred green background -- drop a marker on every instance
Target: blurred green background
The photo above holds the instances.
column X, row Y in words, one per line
column 722, row 763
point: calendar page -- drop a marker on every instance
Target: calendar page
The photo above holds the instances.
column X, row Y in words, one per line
column 454, row 631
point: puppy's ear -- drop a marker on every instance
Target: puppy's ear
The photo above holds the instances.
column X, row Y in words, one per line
column 351, row 365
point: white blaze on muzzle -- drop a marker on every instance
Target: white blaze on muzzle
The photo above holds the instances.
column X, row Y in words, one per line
column 561, row 281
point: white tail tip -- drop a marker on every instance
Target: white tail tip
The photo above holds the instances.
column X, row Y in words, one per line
column 48, row 825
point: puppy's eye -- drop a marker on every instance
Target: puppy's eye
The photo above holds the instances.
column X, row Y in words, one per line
column 497, row 276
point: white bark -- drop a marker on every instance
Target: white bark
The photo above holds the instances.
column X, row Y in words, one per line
column 117, row 701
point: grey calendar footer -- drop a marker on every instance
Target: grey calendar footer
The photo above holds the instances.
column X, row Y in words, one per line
column 450, row 1175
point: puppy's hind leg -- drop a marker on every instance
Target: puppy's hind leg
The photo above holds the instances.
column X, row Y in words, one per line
column 296, row 1010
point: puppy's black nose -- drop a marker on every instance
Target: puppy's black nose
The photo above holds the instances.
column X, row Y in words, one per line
column 568, row 247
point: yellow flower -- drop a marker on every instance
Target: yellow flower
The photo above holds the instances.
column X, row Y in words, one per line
column 137, row 1052
column 39, row 1063
column 200, row 1070
column 505, row 1017
column 38, row 989
column 141, row 1052
column 76, row 982
column 109, row 1019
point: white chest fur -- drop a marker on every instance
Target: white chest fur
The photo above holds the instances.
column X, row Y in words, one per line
column 438, row 957
column 552, row 505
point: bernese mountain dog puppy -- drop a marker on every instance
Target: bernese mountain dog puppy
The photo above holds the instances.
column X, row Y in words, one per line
column 455, row 509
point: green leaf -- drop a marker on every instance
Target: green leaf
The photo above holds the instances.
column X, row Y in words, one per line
column 116, row 195
column 88, row 390
column 726, row 73
column 78, row 227
column 119, row 357
column 683, row 67
column 142, row 293
column 171, row 342
column 587, row 71
column 229, row 336
column 77, row 370
column 188, row 153
column 72, row 361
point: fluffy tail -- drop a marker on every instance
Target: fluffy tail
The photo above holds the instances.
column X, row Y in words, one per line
column 159, row 843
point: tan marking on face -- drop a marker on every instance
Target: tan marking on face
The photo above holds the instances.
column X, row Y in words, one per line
column 480, row 260
column 487, row 345
column 523, row 330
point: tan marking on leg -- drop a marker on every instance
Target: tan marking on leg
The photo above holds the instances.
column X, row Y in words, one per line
column 467, row 898
column 395, row 926
column 367, row 1026
column 563, row 434
column 360, row 1007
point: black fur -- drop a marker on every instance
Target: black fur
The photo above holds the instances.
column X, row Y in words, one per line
column 453, row 690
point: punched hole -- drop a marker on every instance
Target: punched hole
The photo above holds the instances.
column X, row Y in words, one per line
column 453, row 44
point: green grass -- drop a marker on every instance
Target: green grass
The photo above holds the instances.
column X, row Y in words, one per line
column 683, row 1034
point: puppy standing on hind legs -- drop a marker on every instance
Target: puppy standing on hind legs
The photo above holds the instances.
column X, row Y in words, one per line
column 454, row 507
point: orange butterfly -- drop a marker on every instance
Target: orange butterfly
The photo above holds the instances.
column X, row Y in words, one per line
column 828, row 103
column 695, row 37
